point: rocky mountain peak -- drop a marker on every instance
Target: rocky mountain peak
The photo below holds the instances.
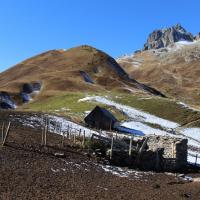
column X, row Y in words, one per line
column 197, row 37
column 165, row 37
column 179, row 28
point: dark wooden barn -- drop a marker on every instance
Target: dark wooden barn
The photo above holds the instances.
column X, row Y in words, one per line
column 100, row 118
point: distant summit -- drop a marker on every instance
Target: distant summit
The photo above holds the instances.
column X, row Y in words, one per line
column 167, row 36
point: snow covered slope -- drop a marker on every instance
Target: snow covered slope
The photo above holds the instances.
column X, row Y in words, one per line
column 146, row 122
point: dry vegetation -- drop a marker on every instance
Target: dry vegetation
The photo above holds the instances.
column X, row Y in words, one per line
column 59, row 71
column 175, row 73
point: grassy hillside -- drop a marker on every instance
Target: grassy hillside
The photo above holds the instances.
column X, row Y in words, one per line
column 63, row 85
column 68, row 105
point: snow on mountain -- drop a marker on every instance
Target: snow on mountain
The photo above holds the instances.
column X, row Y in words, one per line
column 130, row 59
column 181, row 44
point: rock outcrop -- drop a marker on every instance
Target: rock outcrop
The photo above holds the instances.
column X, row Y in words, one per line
column 197, row 37
column 166, row 37
column 6, row 102
column 29, row 90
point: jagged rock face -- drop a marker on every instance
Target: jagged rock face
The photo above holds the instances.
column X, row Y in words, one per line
column 165, row 37
column 197, row 37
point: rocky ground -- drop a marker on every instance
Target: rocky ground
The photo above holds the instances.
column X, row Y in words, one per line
column 29, row 171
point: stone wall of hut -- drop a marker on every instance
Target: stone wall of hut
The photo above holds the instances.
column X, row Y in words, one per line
column 175, row 151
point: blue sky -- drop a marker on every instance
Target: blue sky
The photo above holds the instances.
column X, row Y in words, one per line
column 29, row 27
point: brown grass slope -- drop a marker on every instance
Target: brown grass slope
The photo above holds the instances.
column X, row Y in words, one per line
column 175, row 72
column 59, row 71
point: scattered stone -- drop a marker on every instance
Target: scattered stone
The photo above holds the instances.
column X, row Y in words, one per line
column 188, row 195
column 59, row 155
column 6, row 102
column 156, row 186
column 184, row 179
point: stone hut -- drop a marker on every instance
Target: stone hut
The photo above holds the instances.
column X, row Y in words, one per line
column 175, row 151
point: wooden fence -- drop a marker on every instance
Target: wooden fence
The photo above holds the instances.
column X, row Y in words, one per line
column 74, row 135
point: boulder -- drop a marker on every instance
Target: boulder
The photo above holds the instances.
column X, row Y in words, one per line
column 27, row 88
column 6, row 101
column 37, row 86
column 25, row 97
column 31, row 87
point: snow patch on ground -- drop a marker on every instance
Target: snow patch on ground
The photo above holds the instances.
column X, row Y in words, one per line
column 147, row 130
column 66, row 124
column 139, row 118
column 58, row 125
column 123, row 172
column 192, row 132
column 180, row 45
column 130, row 59
column 184, row 42
column 193, row 157
column 133, row 113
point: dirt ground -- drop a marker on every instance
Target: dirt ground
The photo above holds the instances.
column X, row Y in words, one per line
column 29, row 171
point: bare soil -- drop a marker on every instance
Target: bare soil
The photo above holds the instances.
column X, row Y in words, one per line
column 30, row 171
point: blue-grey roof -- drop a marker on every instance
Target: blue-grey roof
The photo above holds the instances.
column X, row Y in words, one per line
column 108, row 114
column 130, row 131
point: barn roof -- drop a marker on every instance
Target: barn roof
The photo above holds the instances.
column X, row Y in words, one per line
column 105, row 112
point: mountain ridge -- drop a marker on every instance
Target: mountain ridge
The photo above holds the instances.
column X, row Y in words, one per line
column 165, row 37
column 173, row 69
column 83, row 68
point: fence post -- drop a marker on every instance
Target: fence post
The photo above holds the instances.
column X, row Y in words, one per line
column 63, row 134
column 74, row 141
column 111, row 149
column 48, row 124
column 6, row 134
column 63, row 138
column 79, row 133
column 43, row 129
column 83, row 142
column 196, row 159
column 57, row 127
column 68, row 131
column 45, row 132
column 110, row 125
column 130, row 146
column 2, row 132
column 141, row 150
